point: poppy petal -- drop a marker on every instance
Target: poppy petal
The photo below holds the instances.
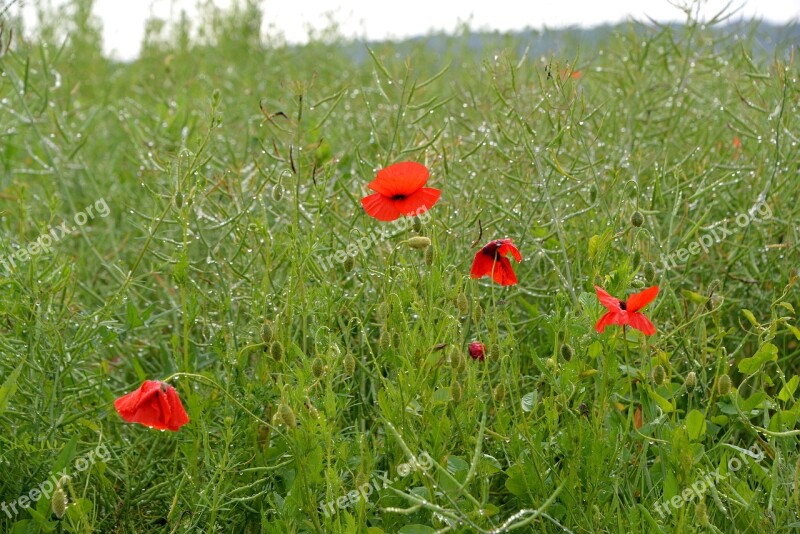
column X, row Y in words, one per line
column 611, row 317
column 503, row 273
column 380, row 207
column 155, row 404
column 640, row 322
column 482, row 265
column 611, row 303
column 178, row 417
column 418, row 202
column 637, row 301
column 508, row 248
column 403, row 178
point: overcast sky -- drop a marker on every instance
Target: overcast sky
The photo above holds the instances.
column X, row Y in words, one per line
column 123, row 20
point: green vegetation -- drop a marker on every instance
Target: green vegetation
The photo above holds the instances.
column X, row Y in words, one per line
column 232, row 166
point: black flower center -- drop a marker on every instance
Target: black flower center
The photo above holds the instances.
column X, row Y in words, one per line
column 622, row 305
column 398, row 197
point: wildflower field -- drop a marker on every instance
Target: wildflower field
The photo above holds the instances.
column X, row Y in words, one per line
column 417, row 287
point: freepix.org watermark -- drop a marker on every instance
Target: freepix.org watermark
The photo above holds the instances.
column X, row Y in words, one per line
column 46, row 488
column 45, row 242
column 706, row 482
column 423, row 461
column 759, row 213
column 364, row 243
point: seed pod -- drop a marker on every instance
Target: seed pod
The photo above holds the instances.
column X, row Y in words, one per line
column 567, row 352
column 318, row 367
column 659, row 375
column 349, row 364
column 690, row 382
column 723, row 385
column 349, row 263
column 385, row 341
column 649, row 272
column 462, row 304
column 456, row 392
column 276, row 350
column 285, row 415
column 637, row 219
column 499, row 392
column 416, row 225
column 419, row 242
column 267, row 332
column 429, row 256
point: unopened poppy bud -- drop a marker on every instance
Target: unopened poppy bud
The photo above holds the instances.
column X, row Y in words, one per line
column 318, row 367
column 383, row 311
column 551, row 364
column 477, row 311
column 637, row 284
column 477, row 350
column 416, row 225
column 592, row 194
column 349, row 263
column 419, row 242
column 659, row 375
column 267, row 332
column 285, row 415
column 59, row 501
column 690, row 382
column 649, row 272
column 277, row 192
column 456, row 359
column 637, row 258
column 637, row 219
column 429, row 256
column 178, row 199
column 499, row 392
column 276, row 350
column 361, row 479
column 701, row 513
column 494, row 352
column 456, row 392
column 385, row 341
column 723, row 385
column 349, row 364
column 462, row 304
column 567, row 352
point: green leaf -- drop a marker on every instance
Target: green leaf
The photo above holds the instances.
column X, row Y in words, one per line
column 9, row 387
column 750, row 317
column 695, row 425
column 789, row 388
column 528, row 401
column 697, row 298
column 663, row 403
column 767, row 353
column 794, row 330
column 595, row 349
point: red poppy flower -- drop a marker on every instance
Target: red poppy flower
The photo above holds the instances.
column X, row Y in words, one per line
column 154, row 404
column 491, row 260
column 398, row 191
column 624, row 312
column 477, row 350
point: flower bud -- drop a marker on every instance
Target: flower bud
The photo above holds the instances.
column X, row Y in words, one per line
column 349, row 263
column 59, row 501
column 690, row 382
column 429, row 256
column 477, row 350
column 456, row 392
column 318, row 367
column 276, row 350
column 649, row 272
column 637, row 219
column 285, row 415
column 267, row 332
column 385, row 341
column 494, row 352
column 499, row 392
column 477, row 311
column 462, row 304
column 277, row 192
column 419, row 242
column 659, row 375
column 723, row 385
column 567, row 352
column 349, row 364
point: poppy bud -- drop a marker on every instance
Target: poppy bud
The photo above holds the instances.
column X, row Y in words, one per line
column 637, row 258
column 701, row 513
column 383, row 311
column 659, row 375
column 462, row 304
column 419, row 242
column 637, row 219
column 494, row 352
column 499, row 392
column 416, row 225
column 178, row 199
column 477, row 350
column 385, row 341
column 277, row 192
column 318, row 367
column 477, row 312
column 349, row 364
column 592, row 194
column 267, row 332
column 276, row 350
column 361, row 479
column 349, row 263
column 637, row 284
column 456, row 360
column 456, row 392
column 285, row 415
column 723, row 385
column 567, row 352
column 649, row 272
column 59, row 501
column 429, row 256
column 690, row 382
